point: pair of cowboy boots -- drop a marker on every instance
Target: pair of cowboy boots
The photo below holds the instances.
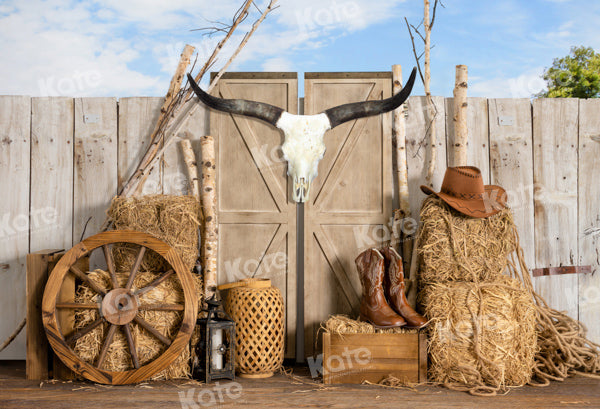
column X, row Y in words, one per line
column 383, row 302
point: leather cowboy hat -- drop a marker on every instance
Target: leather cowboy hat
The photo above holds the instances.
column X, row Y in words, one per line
column 464, row 191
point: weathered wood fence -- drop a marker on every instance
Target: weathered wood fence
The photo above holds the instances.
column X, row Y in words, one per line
column 63, row 159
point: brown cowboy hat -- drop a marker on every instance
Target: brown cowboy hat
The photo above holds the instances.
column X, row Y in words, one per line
column 464, row 191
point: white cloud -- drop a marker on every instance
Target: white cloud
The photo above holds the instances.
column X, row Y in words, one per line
column 277, row 64
column 109, row 47
column 525, row 85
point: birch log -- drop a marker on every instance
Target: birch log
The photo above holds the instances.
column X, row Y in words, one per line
column 209, row 208
column 399, row 137
column 157, row 136
column 431, row 111
column 461, row 133
column 192, row 167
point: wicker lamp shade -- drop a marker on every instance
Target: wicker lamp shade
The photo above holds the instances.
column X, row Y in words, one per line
column 258, row 311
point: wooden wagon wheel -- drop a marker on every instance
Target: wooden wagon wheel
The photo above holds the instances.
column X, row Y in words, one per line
column 119, row 307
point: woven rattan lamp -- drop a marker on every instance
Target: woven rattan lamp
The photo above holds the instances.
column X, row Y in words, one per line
column 258, row 311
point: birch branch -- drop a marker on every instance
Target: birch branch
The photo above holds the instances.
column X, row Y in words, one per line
column 430, row 106
column 249, row 34
column 157, row 137
column 399, row 137
column 189, row 157
column 182, row 109
column 190, row 106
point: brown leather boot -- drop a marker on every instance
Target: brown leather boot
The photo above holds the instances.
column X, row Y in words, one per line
column 373, row 306
column 395, row 288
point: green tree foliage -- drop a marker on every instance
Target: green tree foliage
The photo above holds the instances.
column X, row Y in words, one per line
column 575, row 76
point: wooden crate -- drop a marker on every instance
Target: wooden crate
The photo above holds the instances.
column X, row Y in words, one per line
column 354, row 358
column 41, row 362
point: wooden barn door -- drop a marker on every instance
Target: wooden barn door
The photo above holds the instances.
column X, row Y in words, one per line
column 350, row 200
column 257, row 218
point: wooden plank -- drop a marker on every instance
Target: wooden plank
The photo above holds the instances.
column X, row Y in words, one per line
column 409, row 350
column 326, row 352
column 280, row 392
column 137, row 117
column 478, row 151
column 175, row 180
column 555, row 144
column 511, row 163
column 15, row 130
column 423, row 357
column 393, row 340
column 589, row 215
column 96, row 162
column 52, row 121
column 51, row 173
column 347, row 75
column 37, row 344
column 417, row 153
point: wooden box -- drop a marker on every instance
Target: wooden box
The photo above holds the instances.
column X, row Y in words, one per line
column 354, row 358
column 41, row 362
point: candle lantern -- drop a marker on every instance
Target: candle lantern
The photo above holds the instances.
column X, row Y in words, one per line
column 215, row 350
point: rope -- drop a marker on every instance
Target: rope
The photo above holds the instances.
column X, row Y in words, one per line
column 564, row 349
column 12, row 337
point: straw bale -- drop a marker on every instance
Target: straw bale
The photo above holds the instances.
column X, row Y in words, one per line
column 481, row 333
column 148, row 347
column 172, row 219
column 455, row 247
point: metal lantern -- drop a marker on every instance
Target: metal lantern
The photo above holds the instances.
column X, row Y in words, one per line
column 215, row 350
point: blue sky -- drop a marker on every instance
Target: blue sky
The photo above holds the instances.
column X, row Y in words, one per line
column 130, row 47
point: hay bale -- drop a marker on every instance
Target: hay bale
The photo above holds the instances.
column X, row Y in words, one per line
column 342, row 324
column 481, row 333
column 148, row 347
column 455, row 247
column 172, row 219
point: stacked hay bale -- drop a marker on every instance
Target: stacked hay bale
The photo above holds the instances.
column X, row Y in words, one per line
column 174, row 220
column 483, row 323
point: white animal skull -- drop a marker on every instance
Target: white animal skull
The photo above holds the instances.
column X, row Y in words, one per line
column 303, row 147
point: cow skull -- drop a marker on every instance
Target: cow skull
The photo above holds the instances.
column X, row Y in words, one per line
column 303, row 147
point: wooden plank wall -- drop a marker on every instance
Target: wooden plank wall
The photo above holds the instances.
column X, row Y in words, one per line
column 59, row 167
column 61, row 161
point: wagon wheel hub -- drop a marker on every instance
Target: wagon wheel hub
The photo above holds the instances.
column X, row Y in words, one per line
column 119, row 306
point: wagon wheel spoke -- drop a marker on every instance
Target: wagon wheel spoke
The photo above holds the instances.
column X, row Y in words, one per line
column 83, row 277
column 132, row 350
column 162, row 307
column 83, row 331
column 110, row 263
column 154, row 283
column 146, row 325
column 106, row 345
column 136, row 267
column 77, row 306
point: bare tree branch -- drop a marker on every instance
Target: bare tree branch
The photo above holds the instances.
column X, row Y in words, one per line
column 433, row 14
column 412, row 39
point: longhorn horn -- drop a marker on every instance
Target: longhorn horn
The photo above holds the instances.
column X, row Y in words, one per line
column 260, row 110
column 347, row 112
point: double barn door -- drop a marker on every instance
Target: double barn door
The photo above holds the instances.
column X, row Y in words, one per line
column 308, row 250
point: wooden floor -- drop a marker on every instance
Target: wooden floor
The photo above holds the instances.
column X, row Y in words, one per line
column 276, row 392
